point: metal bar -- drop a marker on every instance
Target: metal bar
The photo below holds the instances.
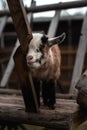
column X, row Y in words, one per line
column 59, row 6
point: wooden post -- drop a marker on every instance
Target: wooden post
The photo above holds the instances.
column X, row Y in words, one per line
column 20, row 21
column 79, row 57
column 24, row 34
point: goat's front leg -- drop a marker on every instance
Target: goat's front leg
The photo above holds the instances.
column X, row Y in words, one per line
column 37, row 90
column 48, row 94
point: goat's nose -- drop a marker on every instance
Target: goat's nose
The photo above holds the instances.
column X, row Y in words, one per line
column 30, row 57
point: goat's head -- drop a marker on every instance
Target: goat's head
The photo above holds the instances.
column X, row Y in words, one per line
column 39, row 47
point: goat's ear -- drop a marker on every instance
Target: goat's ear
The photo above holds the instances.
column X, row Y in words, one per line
column 56, row 40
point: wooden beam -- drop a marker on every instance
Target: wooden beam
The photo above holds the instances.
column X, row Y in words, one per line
column 13, row 115
column 9, row 68
column 20, row 22
column 19, row 93
column 59, row 6
column 12, row 111
column 4, row 91
column 24, row 34
column 2, row 24
column 54, row 23
column 78, row 67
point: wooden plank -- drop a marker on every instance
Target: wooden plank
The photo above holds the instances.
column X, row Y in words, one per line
column 54, row 23
column 20, row 22
column 79, row 56
column 10, row 91
column 13, row 115
column 10, row 65
column 9, row 68
column 65, row 96
column 24, row 34
column 59, row 6
column 30, row 15
column 12, row 101
column 19, row 93
column 2, row 24
column 61, row 117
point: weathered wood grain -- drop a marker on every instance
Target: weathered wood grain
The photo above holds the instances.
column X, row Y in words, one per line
column 21, row 23
column 24, row 34
column 79, row 61
column 59, row 6
column 14, row 112
column 19, row 93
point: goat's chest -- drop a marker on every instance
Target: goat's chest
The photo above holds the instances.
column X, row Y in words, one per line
column 40, row 74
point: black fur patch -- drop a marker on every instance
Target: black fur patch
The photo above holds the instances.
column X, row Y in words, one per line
column 44, row 42
column 41, row 47
column 44, row 39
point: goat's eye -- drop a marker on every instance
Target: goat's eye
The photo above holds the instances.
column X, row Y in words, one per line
column 41, row 47
column 38, row 50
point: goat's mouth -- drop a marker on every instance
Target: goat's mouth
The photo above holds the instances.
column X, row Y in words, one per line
column 30, row 63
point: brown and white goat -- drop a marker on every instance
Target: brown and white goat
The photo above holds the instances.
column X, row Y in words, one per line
column 44, row 61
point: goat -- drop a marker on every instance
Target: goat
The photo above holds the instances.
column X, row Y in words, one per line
column 44, row 60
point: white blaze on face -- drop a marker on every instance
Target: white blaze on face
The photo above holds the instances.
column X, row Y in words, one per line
column 34, row 55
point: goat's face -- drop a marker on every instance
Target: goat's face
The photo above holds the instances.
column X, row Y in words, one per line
column 38, row 49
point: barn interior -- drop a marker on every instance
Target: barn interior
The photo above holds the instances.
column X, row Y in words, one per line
column 70, row 24
column 73, row 51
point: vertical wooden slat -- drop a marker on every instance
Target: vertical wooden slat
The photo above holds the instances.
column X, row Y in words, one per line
column 79, row 57
column 2, row 23
column 9, row 68
column 54, row 23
